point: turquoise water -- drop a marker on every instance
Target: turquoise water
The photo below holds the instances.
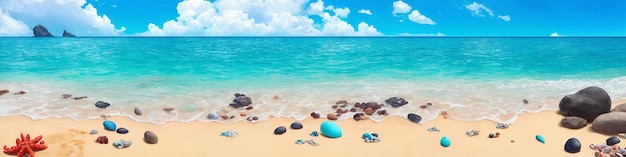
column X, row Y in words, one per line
column 470, row 78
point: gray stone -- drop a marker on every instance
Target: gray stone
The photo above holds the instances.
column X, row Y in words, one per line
column 587, row 103
column 138, row 111
column 610, row 123
column 572, row 145
column 102, row 104
column 573, row 122
column 68, row 34
column 93, row 132
column 122, row 130
column 613, row 140
column 213, row 115
column 396, row 101
column 150, row 138
column 414, row 118
column 241, row 100
column 280, row 130
column 296, row 125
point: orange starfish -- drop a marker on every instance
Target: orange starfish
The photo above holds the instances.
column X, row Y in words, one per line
column 26, row 146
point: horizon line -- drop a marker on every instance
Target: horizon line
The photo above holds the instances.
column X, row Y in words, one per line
column 384, row 36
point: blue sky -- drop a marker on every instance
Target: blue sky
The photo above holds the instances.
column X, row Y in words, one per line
column 316, row 17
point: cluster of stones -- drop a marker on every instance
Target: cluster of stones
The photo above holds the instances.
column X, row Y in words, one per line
column 149, row 136
column 4, row 91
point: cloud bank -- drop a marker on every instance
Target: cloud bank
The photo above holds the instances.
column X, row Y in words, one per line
column 480, row 10
column 399, row 7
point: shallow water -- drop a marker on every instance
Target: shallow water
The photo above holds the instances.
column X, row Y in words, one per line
column 469, row 78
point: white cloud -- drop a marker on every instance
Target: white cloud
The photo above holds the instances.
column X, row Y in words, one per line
column 416, row 17
column 505, row 17
column 342, row 12
column 258, row 17
column 477, row 9
column 76, row 16
column 438, row 34
column 554, row 34
column 12, row 27
column 363, row 11
column 400, row 7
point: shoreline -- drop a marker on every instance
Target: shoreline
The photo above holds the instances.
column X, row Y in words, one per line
column 399, row 137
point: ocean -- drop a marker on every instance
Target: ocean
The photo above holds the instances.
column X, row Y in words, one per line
column 469, row 78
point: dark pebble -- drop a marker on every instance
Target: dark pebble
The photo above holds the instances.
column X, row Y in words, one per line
column 375, row 134
column 138, row 111
column 315, row 115
column 612, row 141
column 122, row 130
column 255, row 118
column 572, row 145
column 65, row 96
column 296, row 125
column 280, row 130
column 353, row 109
column 356, row 117
column 102, row 104
column 414, row 118
column 492, row 135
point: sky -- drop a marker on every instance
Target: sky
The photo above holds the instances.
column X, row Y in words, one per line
column 315, row 17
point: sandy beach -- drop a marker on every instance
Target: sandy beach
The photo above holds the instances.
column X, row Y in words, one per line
column 399, row 137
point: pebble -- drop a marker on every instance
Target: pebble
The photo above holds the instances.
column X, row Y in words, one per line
column 138, row 111
column 331, row 129
column 93, row 132
column 4, row 91
column 382, row 112
column 314, row 133
column 331, row 116
column 414, row 118
column 492, row 135
column 280, row 130
column 150, row 138
column 249, row 108
column 213, row 115
column 168, row 109
column 471, row 133
column 117, row 145
column 255, row 118
column 612, row 140
column 20, row 93
column 368, row 111
column 445, row 141
column 109, row 125
column 122, row 130
column 102, row 104
column 125, row 143
column 540, row 139
column 431, row 129
column 572, row 145
column 315, row 115
column 296, row 125
column 621, row 135
column 353, row 109
column 502, row 126
column 65, row 96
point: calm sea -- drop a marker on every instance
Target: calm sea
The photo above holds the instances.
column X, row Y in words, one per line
column 470, row 78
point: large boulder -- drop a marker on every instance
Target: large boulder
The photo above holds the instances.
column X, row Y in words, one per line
column 241, row 100
column 68, row 34
column 41, row 31
column 587, row 103
column 610, row 123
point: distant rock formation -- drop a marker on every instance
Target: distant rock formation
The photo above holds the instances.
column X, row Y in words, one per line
column 67, row 34
column 41, row 31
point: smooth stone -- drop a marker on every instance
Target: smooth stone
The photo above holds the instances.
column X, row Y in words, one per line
column 573, row 122
column 587, row 103
column 540, row 139
column 330, row 129
column 610, row 123
column 109, row 125
column 612, row 140
column 150, row 138
column 296, row 125
column 102, row 104
column 445, row 141
column 126, row 144
column 65, row 96
column 414, row 118
column 572, row 145
column 367, row 136
column 213, row 115
column 280, row 130
column 93, row 132
column 122, row 130
column 118, row 145
column 138, row 111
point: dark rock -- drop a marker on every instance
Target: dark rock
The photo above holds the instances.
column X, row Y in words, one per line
column 573, row 122
column 150, row 138
column 41, row 31
column 525, row 101
column 342, row 103
column 396, row 101
column 613, row 140
column 315, row 115
column 138, row 111
column 375, row 106
column 20, row 93
column 618, row 108
column 358, row 116
column 492, row 135
column 572, row 145
column 331, row 116
column 352, row 109
column 382, row 112
column 4, row 91
column 168, row 109
column 122, row 130
column 368, row 111
column 587, row 103
column 280, row 130
column 296, row 125
column 610, row 123
column 414, row 118
column 102, row 140
column 255, row 118
column 65, row 96
column 102, row 104
column 424, row 106
column 68, row 34
column 375, row 134
column 241, row 100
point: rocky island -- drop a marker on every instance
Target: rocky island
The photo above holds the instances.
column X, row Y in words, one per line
column 68, row 34
column 41, row 31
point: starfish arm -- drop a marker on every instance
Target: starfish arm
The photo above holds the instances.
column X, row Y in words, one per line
column 30, row 152
column 21, row 153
